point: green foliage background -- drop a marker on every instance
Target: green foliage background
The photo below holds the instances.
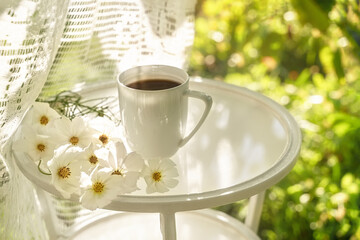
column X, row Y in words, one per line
column 305, row 55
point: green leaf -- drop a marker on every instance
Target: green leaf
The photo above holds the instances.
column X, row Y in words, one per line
column 303, row 77
column 348, row 182
column 338, row 65
column 331, row 61
column 327, row 59
column 326, row 5
column 310, row 12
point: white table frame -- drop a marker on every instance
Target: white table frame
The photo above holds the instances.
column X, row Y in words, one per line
column 168, row 205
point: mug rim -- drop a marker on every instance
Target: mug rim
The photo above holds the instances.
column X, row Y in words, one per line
column 182, row 84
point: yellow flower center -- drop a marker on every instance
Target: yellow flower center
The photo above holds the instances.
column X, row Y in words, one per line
column 44, row 120
column 74, row 140
column 117, row 172
column 93, row 159
column 104, row 139
column 64, row 172
column 98, row 187
column 157, row 176
column 40, row 147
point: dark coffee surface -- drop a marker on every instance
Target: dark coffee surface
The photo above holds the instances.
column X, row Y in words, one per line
column 153, row 84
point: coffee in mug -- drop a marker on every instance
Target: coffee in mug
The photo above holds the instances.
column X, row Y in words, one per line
column 154, row 84
column 153, row 102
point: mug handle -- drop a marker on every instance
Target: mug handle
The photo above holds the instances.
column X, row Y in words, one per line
column 208, row 103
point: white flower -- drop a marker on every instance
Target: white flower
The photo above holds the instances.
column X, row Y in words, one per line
column 127, row 167
column 39, row 147
column 160, row 175
column 90, row 157
column 75, row 132
column 99, row 189
column 41, row 116
column 106, row 131
column 65, row 170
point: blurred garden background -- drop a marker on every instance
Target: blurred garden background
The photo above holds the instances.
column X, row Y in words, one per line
column 305, row 55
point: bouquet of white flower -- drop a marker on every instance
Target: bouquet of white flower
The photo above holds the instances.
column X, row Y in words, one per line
column 88, row 157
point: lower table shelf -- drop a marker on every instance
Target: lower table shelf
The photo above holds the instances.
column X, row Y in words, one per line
column 203, row 224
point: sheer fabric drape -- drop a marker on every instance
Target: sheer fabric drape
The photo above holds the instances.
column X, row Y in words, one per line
column 47, row 46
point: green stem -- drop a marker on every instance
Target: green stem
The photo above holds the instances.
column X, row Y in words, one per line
column 40, row 170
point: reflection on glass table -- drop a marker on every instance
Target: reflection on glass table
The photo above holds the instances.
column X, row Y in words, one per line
column 247, row 144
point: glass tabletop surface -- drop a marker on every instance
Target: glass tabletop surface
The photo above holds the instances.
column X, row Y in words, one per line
column 247, row 144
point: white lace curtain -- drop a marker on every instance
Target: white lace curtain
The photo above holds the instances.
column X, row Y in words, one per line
column 47, row 46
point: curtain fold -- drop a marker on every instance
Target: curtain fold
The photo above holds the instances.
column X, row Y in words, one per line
column 30, row 32
column 47, row 46
column 103, row 37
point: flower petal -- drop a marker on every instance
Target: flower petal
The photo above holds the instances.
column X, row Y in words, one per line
column 162, row 187
column 88, row 200
column 133, row 162
column 120, row 151
column 171, row 183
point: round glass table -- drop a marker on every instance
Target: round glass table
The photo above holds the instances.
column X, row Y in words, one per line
column 247, row 144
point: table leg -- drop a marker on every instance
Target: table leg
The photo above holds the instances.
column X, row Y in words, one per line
column 253, row 216
column 168, row 225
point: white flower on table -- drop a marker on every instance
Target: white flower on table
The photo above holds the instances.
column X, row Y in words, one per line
column 98, row 189
column 91, row 157
column 160, row 175
column 41, row 116
column 65, row 170
column 126, row 167
column 39, row 147
column 106, row 131
column 73, row 132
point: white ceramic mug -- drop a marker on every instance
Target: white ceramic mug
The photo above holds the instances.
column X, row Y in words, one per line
column 155, row 120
